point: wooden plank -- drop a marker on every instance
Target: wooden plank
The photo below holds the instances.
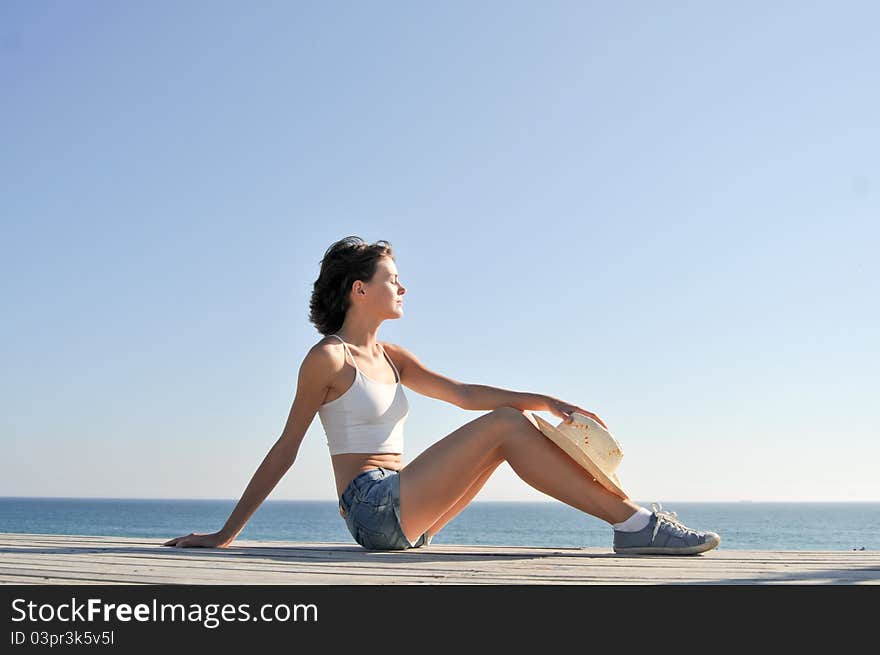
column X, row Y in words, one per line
column 95, row 559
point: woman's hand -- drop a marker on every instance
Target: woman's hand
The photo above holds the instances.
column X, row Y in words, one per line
column 200, row 540
column 564, row 410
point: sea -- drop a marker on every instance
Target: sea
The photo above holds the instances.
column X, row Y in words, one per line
column 742, row 525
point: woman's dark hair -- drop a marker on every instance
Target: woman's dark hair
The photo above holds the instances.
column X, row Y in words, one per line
column 347, row 260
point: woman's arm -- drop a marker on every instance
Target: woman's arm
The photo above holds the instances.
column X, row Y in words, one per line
column 315, row 376
column 276, row 463
column 271, row 470
column 483, row 397
column 421, row 379
column 480, row 396
column 418, row 377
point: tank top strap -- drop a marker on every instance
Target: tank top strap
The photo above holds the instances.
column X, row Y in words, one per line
column 391, row 362
column 345, row 345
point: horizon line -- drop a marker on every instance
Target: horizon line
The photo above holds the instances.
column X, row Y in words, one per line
column 476, row 501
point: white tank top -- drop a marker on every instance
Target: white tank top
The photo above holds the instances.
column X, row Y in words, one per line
column 368, row 417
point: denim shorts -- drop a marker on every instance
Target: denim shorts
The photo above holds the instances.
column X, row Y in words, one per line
column 370, row 506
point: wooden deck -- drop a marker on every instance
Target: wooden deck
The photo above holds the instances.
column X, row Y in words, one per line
column 72, row 559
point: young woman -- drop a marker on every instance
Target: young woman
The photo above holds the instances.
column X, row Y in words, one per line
column 354, row 382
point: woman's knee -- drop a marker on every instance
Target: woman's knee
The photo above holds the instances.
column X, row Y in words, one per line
column 513, row 426
column 510, row 421
column 509, row 415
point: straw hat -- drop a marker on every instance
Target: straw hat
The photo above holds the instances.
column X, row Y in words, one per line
column 589, row 444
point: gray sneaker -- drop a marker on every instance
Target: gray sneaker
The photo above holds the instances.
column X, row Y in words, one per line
column 664, row 535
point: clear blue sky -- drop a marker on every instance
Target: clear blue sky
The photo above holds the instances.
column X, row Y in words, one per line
column 666, row 213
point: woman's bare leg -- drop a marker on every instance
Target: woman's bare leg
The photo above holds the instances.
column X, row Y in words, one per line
column 464, row 501
column 435, row 481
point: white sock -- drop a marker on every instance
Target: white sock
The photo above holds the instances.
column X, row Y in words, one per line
column 635, row 522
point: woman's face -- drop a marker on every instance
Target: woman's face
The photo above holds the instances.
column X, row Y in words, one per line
column 385, row 291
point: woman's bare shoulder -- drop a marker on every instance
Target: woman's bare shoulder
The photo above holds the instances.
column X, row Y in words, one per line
column 323, row 341
column 399, row 355
column 395, row 348
column 326, row 346
column 326, row 354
